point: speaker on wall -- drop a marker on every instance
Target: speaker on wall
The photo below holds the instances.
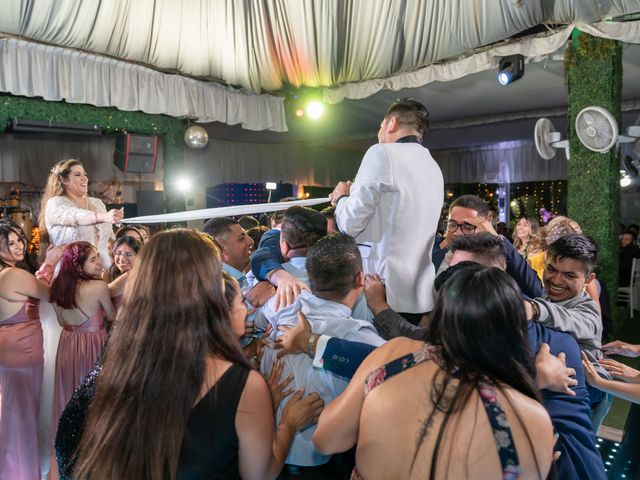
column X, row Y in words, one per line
column 136, row 153
column 130, row 209
column 150, row 202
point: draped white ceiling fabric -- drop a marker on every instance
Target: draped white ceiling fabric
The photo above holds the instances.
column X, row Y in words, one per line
column 54, row 73
column 532, row 48
column 267, row 46
column 217, row 60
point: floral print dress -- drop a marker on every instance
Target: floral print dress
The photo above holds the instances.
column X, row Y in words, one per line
column 488, row 395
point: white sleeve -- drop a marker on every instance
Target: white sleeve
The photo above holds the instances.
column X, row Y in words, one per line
column 321, row 345
column 62, row 212
column 353, row 213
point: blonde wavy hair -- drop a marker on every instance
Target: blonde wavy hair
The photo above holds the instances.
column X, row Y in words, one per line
column 559, row 227
column 533, row 245
column 54, row 188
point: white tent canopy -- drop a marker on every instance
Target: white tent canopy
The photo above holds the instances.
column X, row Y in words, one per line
column 126, row 53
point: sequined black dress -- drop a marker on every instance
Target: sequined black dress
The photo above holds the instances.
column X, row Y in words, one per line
column 209, row 446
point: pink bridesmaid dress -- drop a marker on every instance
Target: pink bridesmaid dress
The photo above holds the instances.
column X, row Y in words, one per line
column 21, row 365
column 78, row 351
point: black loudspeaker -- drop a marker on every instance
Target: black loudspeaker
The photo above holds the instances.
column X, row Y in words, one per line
column 150, row 202
column 136, row 153
column 130, row 209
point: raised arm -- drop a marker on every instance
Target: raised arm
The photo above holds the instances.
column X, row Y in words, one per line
column 268, row 256
column 23, row 283
column 624, row 390
column 118, row 285
column 62, row 212
column 583, row 321
column 102, row 294
column 354, row 212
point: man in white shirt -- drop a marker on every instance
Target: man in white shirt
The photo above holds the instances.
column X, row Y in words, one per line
column 334, row 268
column 393, row 207
column 301, row 228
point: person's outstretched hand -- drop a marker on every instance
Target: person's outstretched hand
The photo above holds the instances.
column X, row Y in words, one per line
column 552, row 372
column 289, row 287
column 53, row 254
column 590, row 372
column 375, row 293
column 300, row 411
column 621, row 370
column 619, row 347
column 260, row 293
column 278, row 386
column 295, row 339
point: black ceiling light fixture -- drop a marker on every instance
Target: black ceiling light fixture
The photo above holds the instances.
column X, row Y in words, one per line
column 510, row 69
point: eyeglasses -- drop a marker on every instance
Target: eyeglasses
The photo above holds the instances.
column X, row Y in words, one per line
column 465, row 228
column 127, row 255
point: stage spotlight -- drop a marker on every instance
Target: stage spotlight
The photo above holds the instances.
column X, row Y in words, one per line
column 183, row 184
column 315, row 109
column 510, row 69
column 299, row 112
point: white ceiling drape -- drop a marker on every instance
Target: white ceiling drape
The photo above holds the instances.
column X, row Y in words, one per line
column 182, row 57
column 277, row 44
column 532, row 48
column 53, row 73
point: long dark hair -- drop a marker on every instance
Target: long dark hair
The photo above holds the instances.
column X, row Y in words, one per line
column 7, row 228
column 480, row 324
column 65, row 286
column 174, row 316
column 114, row 271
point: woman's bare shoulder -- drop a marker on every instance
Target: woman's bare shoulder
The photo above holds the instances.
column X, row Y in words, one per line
column 531, row 412
column 389, row 351
column 95, row 285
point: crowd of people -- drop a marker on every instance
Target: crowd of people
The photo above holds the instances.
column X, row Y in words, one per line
column 349, row 343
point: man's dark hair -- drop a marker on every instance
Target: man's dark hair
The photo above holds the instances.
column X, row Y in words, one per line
column 329, row 212
column 302, row 227
column 332, row 264
column 575, row 246
column 486, row 248
column 248, row 222
column 450, row 272
column 279, row 215
column 471, row 202
column 217, row 227
column 410, row 112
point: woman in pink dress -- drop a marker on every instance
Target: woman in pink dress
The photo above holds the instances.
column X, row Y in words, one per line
column 21, row 357
column 124, row 252
column 82, row 302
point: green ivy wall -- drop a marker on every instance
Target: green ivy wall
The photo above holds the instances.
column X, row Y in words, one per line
column 110, row 120
column 594, row 77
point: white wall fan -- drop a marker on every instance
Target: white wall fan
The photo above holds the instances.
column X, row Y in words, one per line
column 548, row 139
column 596, row 129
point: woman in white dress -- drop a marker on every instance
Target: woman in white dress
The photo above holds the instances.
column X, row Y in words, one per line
column 68, row 214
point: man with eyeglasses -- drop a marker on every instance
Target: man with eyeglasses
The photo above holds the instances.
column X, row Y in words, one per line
column 469, row 215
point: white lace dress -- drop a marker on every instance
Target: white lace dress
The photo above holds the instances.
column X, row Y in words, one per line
column 62, row 217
